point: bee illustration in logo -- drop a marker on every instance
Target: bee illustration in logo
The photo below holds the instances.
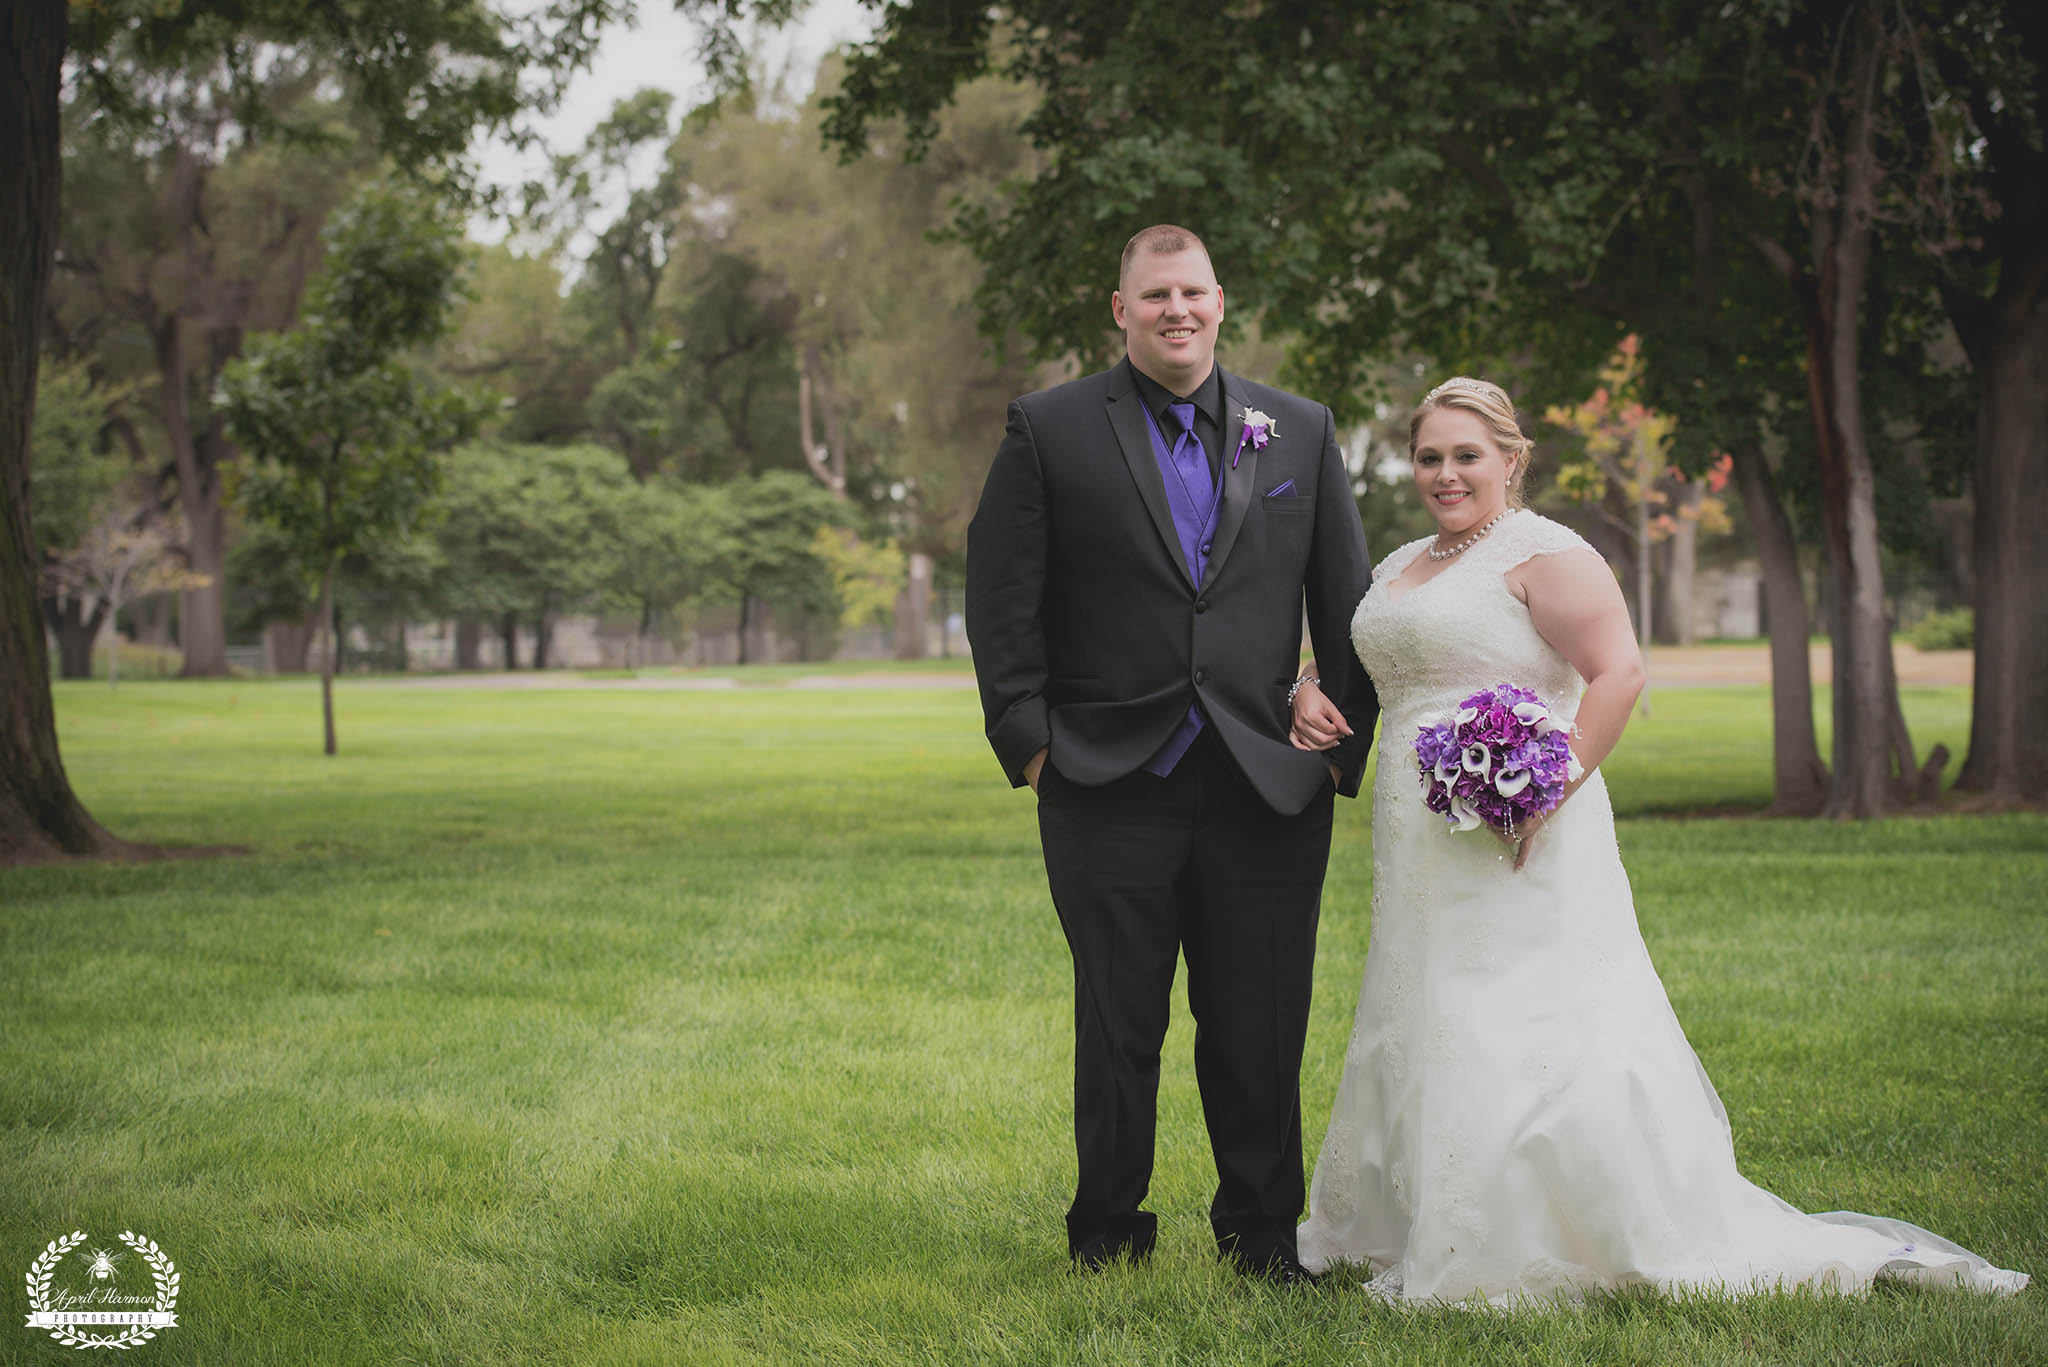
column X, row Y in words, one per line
column 102, row 1267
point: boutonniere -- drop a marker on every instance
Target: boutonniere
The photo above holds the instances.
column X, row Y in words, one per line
column 1258, row 430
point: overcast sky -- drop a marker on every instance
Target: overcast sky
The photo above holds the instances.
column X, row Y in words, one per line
column 661, row 51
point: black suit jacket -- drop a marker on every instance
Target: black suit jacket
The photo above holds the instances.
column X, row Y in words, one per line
column 1088, row 633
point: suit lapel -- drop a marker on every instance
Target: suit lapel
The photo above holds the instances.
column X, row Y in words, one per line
column 1239, row 480
column 1127, row 421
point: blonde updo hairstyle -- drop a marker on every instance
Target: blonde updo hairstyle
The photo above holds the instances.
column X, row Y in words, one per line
column 1489, row 403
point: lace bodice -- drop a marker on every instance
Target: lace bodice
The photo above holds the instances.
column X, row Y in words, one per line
column 1430, row 646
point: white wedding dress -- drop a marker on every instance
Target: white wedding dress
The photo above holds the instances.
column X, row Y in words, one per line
column 1520, row 1115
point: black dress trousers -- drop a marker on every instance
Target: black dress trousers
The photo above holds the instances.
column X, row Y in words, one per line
column 1146, row 869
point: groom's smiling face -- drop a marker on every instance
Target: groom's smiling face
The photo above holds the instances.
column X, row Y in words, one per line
column 1168, row 305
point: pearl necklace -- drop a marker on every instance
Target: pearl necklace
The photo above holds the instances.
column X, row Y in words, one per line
column 1459, row 549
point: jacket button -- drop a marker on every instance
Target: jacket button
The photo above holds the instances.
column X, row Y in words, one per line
column 1205, row 548
column 1201, row 605
column 1201, row 676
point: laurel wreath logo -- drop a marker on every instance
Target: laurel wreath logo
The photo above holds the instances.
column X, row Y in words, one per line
column 162, row 1271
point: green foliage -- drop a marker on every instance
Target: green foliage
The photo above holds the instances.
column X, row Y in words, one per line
column 838, row 265
column 340, row 432
column 515, row 334
column 267, row 579
column 634, row 409
column 426, row 74
column 867, row 574
column 536, row 530
column 768, row 527
column 73, row 472
column 1496, row 184
column 733, row 367
column 1955, row 629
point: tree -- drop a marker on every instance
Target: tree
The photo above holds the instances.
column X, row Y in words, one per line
column 341, row 431
column 767, row 528
column 75, row 476
column 669, row 540
column 867, row 575
column 1996, row 68
column 531, row 532
column 39, row 814
column 515, row 335
column 894, row 387
column 1625, row 475
column 188, row 238
column 1707, row 180
column 425, row 74
column 127, row 554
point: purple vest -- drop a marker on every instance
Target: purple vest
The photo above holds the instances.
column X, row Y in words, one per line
column 1192, row 493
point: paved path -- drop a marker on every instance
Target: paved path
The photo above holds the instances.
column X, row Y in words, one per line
column 1746, row 664
column 1670, row 667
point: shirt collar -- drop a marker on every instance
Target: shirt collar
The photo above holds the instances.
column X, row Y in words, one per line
column 1207, row 398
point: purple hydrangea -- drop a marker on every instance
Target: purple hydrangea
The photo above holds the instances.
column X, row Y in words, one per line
column 1497, row 761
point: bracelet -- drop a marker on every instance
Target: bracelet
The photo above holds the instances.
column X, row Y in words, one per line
column 1304, row 679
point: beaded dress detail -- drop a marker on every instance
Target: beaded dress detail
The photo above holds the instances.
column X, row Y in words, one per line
column 1520, row 1114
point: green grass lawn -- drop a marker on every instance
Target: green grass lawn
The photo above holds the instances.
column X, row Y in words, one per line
column 656, row 1027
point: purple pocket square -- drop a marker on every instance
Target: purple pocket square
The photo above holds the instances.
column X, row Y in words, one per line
column 1285, row 486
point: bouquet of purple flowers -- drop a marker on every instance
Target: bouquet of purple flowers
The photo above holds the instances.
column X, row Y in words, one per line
column 1497, row 761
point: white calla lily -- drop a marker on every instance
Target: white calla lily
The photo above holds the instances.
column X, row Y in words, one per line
column 1511, row 781
column 1477, row 760
column 1462, row 813
column 1529, row 713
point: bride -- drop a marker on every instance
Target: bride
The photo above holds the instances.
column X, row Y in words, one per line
column 1520, row 1114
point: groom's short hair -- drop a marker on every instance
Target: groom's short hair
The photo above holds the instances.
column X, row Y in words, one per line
column 1163, row 238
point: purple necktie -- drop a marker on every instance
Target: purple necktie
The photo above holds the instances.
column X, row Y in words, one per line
column 1194, row 513
column 1191, row 463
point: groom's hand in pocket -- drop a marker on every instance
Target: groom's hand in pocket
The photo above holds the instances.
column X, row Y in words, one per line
column 1033, row 767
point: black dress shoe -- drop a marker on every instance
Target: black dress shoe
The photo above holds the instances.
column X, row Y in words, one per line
column 1099, row 1258
column 1281, row 1272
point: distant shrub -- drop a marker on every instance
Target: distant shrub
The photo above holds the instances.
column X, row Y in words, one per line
column 1955, row 629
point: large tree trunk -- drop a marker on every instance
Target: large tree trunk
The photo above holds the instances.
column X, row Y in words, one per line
column 39, row 815
column 2009, row 698
column 327, row 656
column 469, row 635
column 1681, row 569
column 914, row 608
column 195, row 455
column 291, row 643
column 2007, row 338
column 508, row 636
column 203, row 613
column 1870, row 734
column 1799, row 782
column 75, row 630
column 543, row 637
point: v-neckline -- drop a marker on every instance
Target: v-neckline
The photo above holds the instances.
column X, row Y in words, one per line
column 1421, row 551
column 1394, row 598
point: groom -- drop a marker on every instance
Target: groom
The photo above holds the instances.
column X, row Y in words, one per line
column 1136, row 574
